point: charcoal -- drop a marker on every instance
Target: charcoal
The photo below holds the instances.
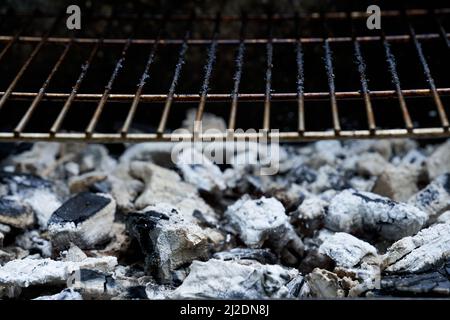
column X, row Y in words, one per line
column 444, row 218
column 168, row 239
column 264, row 221
column 165, row 186
column 419, row 253
column 263, row 256
column 85, row 220
column 325, row 284
column 33, row 242
column 370, row 164
column 15, row 213
column 434, row 199
column 435, row 282
column 354, row 259
column 209, row 121
column 352, row 212
column 309, row 216
column 398, row 183
column 66, row 294
column 40, row 160
column 438, row 162
column 31, row 191
column 85, row 181
column 198, row 170
column 27, row 272
column 94, row 284
column 346, row 250
column 217, row 279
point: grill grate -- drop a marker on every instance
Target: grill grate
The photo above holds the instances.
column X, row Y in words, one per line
column 145, row 107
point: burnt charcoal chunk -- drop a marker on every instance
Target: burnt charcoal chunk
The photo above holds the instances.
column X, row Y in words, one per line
column 80, row 208
column 433, row 283
column 15, row 213
column 263, row 256
column 137, row 292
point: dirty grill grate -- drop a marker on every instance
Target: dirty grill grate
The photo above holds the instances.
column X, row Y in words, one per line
column 343, row 78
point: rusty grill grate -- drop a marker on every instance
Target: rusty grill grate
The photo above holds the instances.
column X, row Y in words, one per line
column 131, row 77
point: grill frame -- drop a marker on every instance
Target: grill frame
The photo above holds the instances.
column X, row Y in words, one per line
column 266, row 96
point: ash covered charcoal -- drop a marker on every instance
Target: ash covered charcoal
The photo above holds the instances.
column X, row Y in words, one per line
column 322, row 283
column 15, row 213
column 310, row 215
column 27, row 190
column 264, row 256
column 66, row 294
column 264, row 221
column 434, row 199
column 165, row 186
column 209, row 122
column 198, row 170
column 420, row 253
column 34, row 243
column 28, row 272
column 217, row 279
column 93, row 284
column 438, row 162
column 86, row 181
column 444, row 218
column 169, row 240
column 435, row 282
column 85, row 220
column 398, row 183
column 358, row 212
column 40, row 160
column 354, row 259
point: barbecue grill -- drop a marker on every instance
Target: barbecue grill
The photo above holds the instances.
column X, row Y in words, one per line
column 130, row 75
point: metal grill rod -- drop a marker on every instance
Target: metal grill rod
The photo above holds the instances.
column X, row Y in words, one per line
column 179, row 66
column 212, row 52
column 27, row 63
column 238, row 74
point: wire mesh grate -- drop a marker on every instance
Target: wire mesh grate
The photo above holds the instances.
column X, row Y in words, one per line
column 132, row 86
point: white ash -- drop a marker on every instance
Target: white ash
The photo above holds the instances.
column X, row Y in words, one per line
column 168, row 239
column 434, row 199
column 346, row 250
column 27, row 272
column 85, row 220
column 165, row 186
column 44, row 203
column 438, row 162
column 198, row 170
column 354, row 259
column 32, row 241
column 66, row 294
column 419, row 253
column 216, row 279
column 352, row 211
column 263, row 221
